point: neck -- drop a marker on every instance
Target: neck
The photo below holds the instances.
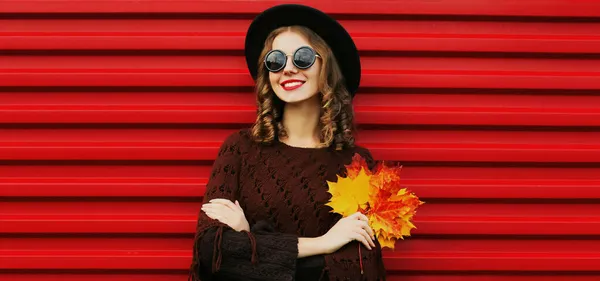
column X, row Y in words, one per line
column 301, row 122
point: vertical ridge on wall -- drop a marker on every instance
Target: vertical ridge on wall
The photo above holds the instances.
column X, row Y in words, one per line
column 111, row 113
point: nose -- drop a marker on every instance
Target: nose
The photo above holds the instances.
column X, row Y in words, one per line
column 289, row 68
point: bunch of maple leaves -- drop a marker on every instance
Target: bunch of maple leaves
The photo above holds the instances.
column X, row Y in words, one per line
column 377, row 194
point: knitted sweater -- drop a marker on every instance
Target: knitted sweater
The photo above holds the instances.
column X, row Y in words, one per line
column 282, row 190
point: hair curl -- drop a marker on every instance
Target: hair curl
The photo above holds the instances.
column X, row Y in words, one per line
column 336, row 116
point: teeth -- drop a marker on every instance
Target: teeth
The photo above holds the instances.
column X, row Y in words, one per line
column 292, row 84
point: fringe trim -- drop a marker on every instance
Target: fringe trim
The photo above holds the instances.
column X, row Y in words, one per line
column 254, row 258
column 217, row 256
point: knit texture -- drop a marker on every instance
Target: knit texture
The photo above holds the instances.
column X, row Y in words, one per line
column 282, row 190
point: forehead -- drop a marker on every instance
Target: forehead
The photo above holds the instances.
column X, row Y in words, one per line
column 289, row 41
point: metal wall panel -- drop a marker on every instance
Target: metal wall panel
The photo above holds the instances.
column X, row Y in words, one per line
column 111, row 113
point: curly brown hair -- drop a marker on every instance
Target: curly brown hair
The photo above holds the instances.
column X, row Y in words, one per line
column 336, row 119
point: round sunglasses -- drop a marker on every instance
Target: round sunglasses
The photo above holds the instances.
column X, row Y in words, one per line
column 303, row 58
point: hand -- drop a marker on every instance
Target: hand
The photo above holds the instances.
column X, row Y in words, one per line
column 228, row 213
column 354, row 227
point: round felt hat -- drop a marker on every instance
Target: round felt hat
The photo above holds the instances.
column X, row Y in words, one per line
column 325, row 26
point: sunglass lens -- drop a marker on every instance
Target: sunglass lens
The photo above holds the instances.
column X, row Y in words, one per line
column 275, row 61
column 304, row 57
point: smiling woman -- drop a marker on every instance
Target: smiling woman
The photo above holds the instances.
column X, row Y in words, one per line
column 264, row 215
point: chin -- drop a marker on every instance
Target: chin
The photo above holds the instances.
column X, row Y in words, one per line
column 293, row 97
column 289, row 99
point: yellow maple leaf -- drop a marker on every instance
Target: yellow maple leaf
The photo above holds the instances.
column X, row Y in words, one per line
column 348, row 195
column 386, row 242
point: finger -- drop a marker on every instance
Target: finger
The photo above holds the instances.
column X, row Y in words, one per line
column 365, row 234
column 212, row 215
column 215, row 207
column 206, row 207
column 363, row 217
column 355, row 215
column 211, row 207
column 224, row 202
column 362, row 239
column 365, row 226
column 218, row 210
column 371, row 239
column 208, row 213
column 220, row 217
column 238, row 205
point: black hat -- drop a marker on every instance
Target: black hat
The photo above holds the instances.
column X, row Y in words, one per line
column 326, row 27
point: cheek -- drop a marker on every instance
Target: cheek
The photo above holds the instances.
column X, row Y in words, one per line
column 273, row 79
column 313, row 75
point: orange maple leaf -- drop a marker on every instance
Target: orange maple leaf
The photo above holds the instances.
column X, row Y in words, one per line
column 387, row 178
column 379, row 195
column 358, row 163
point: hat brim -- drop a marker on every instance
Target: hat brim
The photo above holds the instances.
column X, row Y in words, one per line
column 326, row 27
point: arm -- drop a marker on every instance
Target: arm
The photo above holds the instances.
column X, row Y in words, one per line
column 309, row 266
column 221, row 253
column 344, row 264
column 309, row 247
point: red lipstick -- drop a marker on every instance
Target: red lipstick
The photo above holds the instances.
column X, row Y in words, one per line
column 292, row 84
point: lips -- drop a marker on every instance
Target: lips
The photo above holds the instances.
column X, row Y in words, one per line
column 292, row 84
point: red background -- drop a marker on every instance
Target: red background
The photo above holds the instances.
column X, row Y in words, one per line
column 107, row 131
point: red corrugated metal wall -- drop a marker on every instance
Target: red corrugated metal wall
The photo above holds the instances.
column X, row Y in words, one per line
column 112, row 111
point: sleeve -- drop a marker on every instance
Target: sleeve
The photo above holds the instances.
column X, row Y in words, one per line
column 310, row 268
column 350, row 263
column 221, row 253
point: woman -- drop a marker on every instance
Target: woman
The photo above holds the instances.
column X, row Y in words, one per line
column 264, row 215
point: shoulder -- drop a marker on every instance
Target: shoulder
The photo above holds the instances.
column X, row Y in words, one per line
column 240, row 137
column 237, row 142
